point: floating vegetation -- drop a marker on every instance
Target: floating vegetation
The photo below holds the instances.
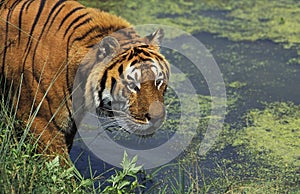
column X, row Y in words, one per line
column 257, row 47
column 278, row 21
column 273, row 134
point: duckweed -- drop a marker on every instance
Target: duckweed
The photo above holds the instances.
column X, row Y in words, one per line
column 273, row 133
column 278, row 21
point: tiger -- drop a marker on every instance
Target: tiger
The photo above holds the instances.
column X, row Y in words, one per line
column 43, row 45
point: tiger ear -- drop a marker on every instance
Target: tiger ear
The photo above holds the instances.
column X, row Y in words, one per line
column 109, row 46
column 156, row 37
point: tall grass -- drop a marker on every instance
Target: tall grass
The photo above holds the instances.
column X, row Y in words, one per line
column 22, row 170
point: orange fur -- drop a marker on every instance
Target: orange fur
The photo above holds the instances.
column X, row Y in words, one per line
column 40, row 48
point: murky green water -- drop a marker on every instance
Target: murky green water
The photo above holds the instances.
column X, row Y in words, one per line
column 256, row 46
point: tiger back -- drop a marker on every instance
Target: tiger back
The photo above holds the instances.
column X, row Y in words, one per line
column 42, row 44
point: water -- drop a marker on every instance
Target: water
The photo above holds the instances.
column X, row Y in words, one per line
column 263, row 65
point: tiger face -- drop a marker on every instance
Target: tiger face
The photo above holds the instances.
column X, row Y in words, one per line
column 130, row 92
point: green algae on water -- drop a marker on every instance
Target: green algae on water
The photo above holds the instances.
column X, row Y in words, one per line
column 275, row 132
column 278, row 21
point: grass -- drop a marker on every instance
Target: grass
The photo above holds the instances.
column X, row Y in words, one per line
column 192, row 177
column 22, row 170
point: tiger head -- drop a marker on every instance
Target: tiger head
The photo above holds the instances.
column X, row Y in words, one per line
column 129, row 83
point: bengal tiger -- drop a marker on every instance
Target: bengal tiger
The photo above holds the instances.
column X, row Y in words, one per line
column 42, row 45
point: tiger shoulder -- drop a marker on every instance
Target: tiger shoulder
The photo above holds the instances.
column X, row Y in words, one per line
column 42, row 45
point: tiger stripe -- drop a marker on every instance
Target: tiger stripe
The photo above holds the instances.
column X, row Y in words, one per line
column 45, row 43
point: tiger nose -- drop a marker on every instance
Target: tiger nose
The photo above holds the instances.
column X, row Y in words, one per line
column 156, row 113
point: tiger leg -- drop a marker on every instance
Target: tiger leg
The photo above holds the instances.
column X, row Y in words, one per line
column 50, row 141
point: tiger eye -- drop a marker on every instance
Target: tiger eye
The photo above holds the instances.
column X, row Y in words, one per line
column 133, row 86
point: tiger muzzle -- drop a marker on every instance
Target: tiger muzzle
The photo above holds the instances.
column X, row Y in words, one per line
column 156, row 113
